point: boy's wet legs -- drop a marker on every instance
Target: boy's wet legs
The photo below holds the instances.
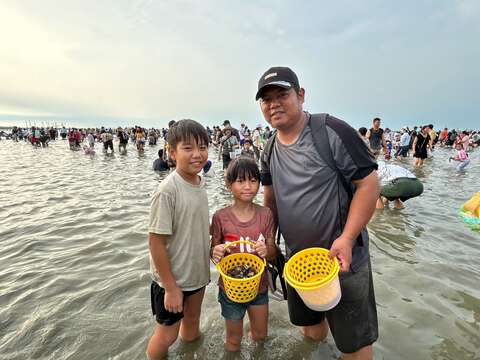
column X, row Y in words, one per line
column 163, row 337
column 189, row 328
column 190, row 324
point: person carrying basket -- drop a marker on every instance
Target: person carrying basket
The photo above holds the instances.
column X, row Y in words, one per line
column 247, row 220
column 321, row 184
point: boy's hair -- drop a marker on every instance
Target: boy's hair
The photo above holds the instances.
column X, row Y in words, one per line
column 160, row 153
column 186, row 130
column 248, row 141
column 363, row 131
column 242, row 168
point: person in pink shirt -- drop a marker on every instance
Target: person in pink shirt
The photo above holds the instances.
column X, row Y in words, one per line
column 461, row 157
column 465, row 140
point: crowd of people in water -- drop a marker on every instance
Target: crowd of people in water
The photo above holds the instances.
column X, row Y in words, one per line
column 417, row 142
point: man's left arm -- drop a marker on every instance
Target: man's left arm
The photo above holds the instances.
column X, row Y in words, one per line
column 361, row 210
column 358, row 166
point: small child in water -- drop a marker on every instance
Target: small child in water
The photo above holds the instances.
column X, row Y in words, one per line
column 461, row 157
column 88, row 150
column 248, row 220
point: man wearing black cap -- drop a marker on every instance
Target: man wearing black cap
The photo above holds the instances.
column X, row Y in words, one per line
column 320, row 182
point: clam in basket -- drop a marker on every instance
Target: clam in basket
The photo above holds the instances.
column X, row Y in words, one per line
column 241, row 290
column 315, row 277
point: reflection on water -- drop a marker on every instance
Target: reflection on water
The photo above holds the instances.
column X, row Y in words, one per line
column 74, row 280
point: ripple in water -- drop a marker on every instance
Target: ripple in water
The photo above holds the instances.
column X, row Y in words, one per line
column 74, row 281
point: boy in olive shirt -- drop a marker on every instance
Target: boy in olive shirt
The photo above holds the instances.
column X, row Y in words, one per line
column 179, row 241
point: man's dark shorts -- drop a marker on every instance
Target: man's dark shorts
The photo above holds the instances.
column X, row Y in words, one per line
column 157, row 298
column 353, row 322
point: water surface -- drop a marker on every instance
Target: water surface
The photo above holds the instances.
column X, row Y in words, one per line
column 74, row 281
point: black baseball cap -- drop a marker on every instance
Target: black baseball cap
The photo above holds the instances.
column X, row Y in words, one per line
column 280, row 76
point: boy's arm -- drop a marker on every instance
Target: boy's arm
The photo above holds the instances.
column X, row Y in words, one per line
column 173, row 294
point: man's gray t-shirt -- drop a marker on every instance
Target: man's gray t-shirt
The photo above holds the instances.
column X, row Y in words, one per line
column 308, row 192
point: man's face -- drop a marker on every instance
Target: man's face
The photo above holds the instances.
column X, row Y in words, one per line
column 376, row 124
column 282, row 107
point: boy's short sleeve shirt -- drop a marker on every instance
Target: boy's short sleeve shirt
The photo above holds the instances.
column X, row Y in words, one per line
column 180, row 211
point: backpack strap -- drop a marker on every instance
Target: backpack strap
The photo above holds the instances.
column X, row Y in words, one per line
column 318, row 127
column 268, row 149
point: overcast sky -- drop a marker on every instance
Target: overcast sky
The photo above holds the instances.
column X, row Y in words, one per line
column 146, row 62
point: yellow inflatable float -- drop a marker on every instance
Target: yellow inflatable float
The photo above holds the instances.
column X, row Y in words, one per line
column 470, row 211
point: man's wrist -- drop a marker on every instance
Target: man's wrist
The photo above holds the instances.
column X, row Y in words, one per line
column 348, row 239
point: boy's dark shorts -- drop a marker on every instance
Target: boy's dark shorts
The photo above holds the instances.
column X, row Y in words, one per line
column 353, row 322
column 157, row 296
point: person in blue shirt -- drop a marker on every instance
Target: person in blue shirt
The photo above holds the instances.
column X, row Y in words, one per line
column 160, row 164
column 404, row 144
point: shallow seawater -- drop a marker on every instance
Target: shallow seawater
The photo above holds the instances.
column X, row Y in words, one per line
column 74, row 281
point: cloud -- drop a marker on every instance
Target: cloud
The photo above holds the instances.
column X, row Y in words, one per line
column 161, row 60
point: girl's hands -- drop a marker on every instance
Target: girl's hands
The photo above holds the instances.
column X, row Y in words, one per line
column 218, row 252
column 261, row 249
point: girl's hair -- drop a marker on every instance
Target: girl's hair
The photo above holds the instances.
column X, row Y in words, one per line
column 242, row 168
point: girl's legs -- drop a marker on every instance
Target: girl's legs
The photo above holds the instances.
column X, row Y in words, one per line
column 258, row 316
column 234, row 334
column 379, row 204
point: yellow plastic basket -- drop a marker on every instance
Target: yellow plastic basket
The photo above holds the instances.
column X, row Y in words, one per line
column 241, row 290
column 315, row 277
